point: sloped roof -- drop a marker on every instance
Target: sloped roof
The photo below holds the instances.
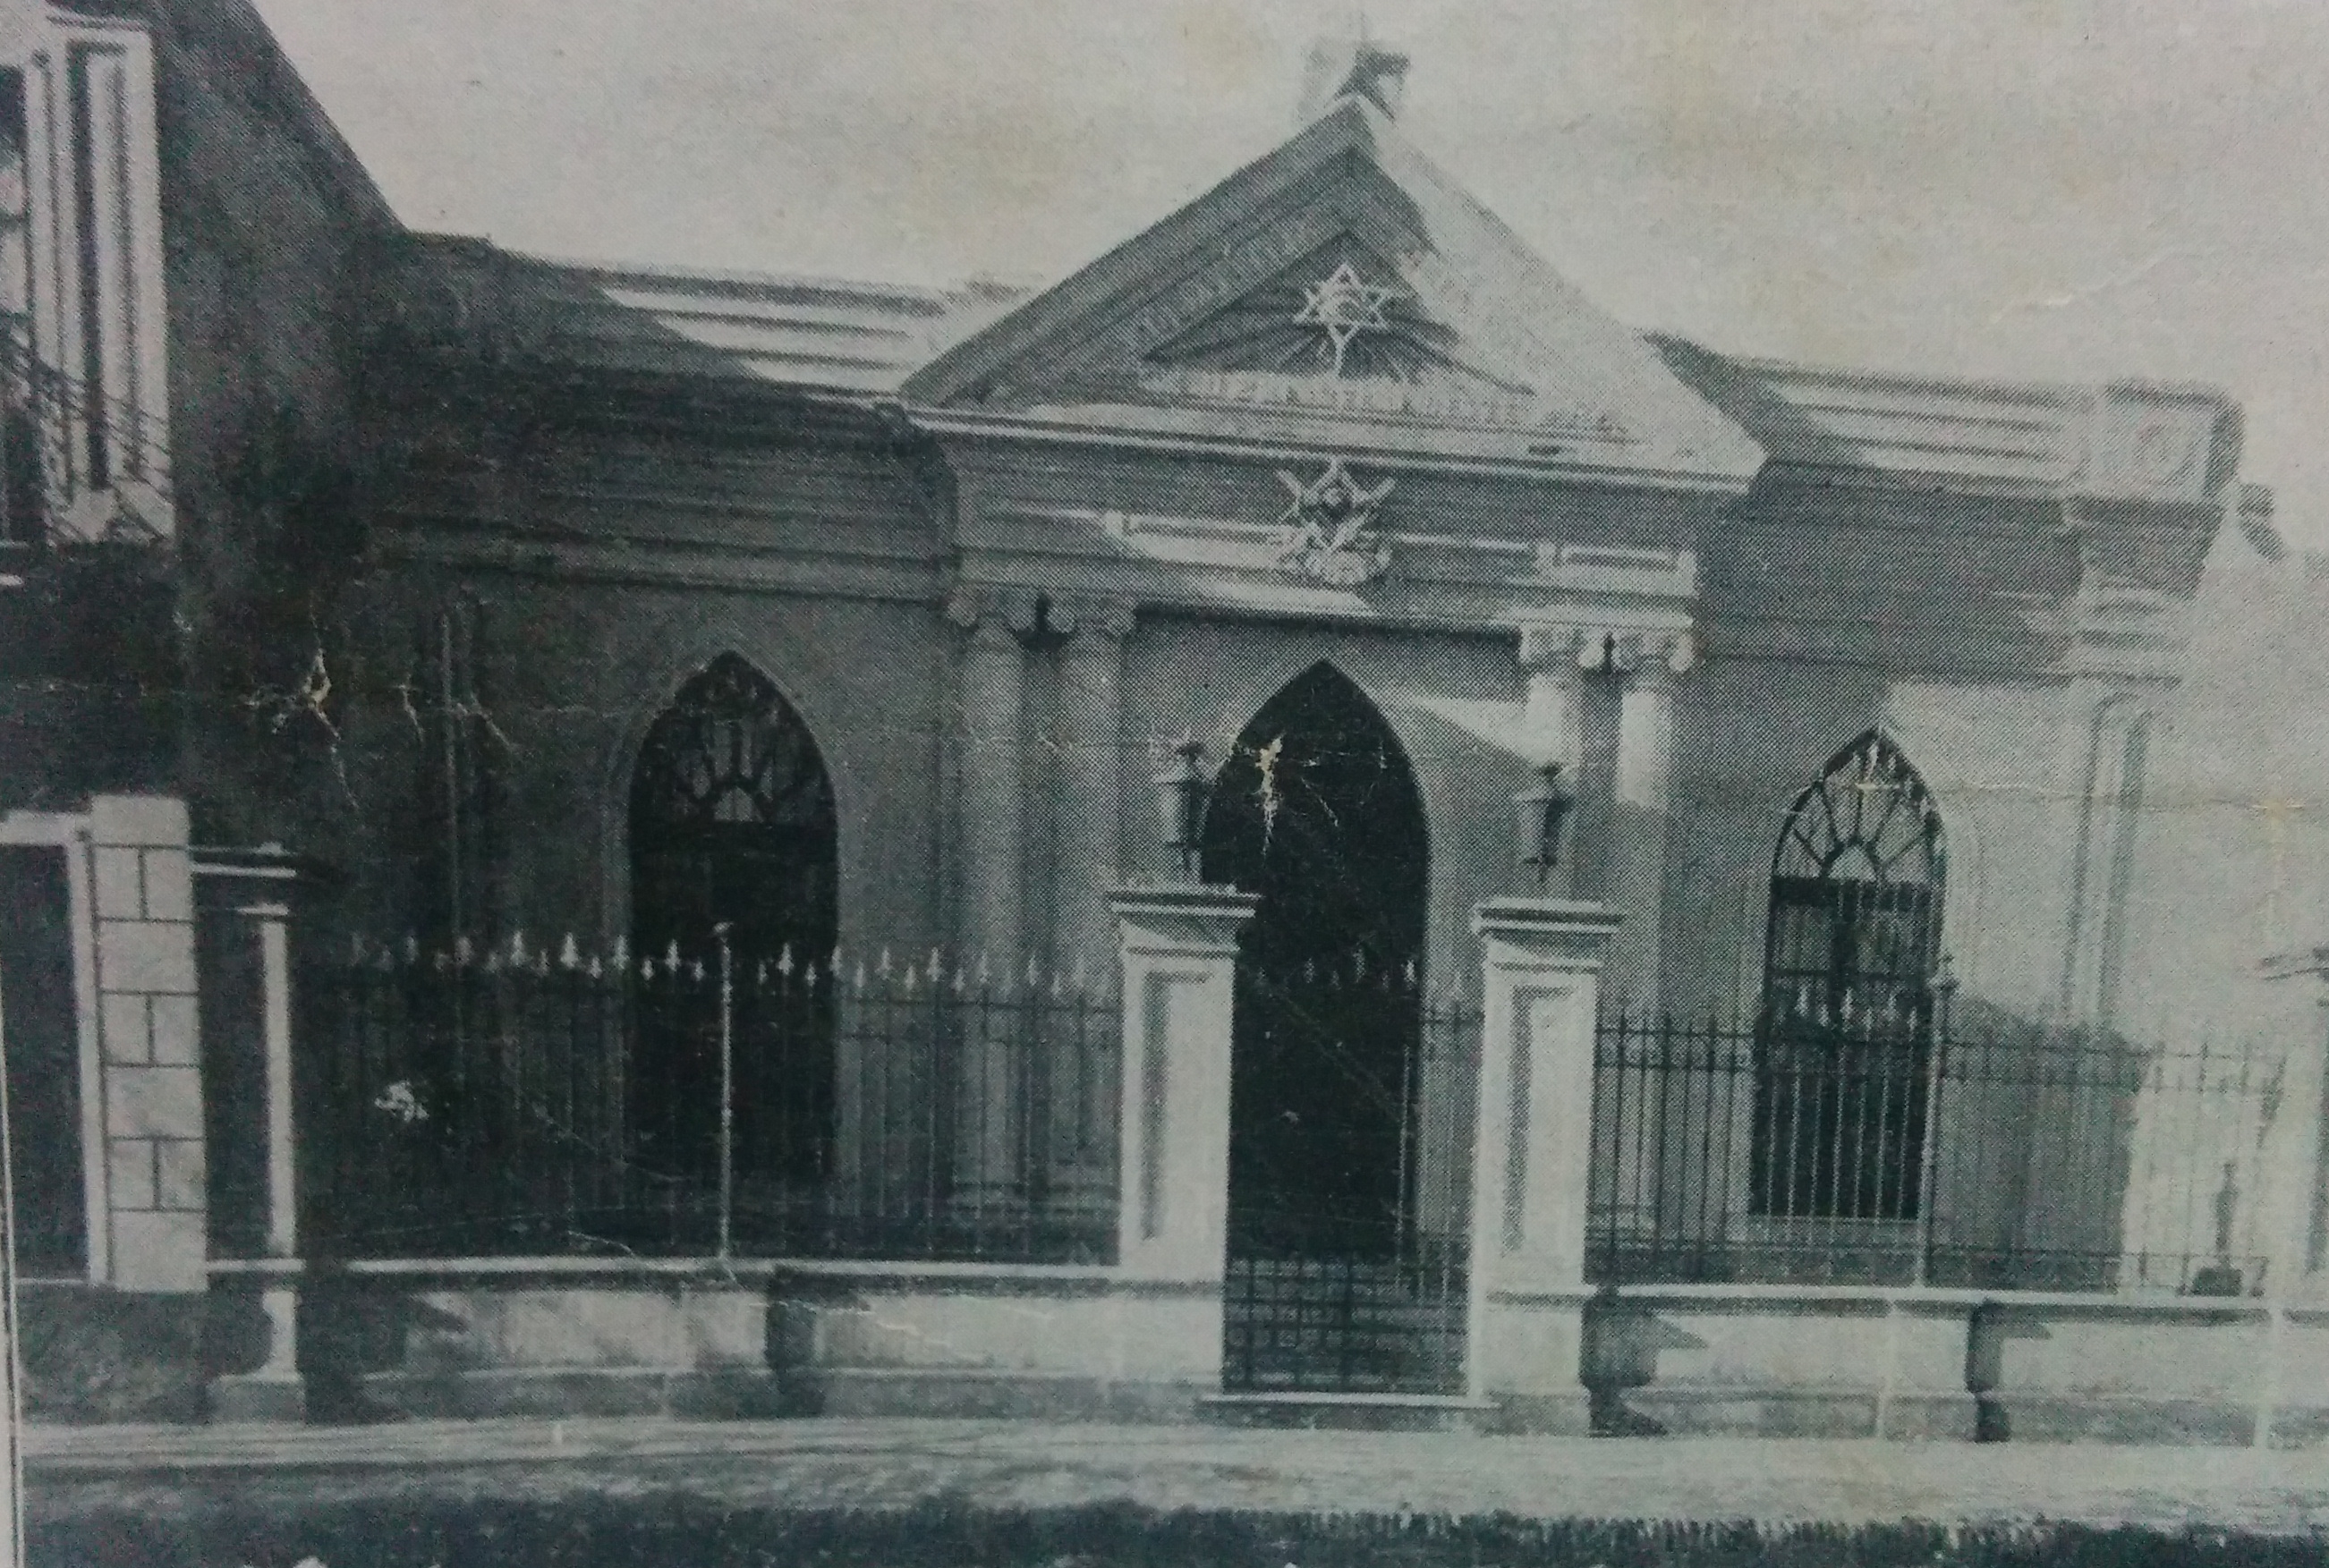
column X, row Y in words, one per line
column 818, row 333
column 885, row 342
column 2012, row 436
column 1145, row 341
column 1590, row 390
column 814, row 334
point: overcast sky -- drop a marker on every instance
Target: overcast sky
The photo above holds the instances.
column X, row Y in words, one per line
column 1990, row 187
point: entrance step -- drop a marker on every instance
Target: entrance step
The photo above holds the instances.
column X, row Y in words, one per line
column 1351, row 1411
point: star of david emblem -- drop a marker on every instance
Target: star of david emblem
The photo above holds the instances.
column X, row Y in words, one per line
column 1344, row 305
column 1326, row 527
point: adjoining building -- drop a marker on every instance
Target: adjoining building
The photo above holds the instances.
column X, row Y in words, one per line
column 1299, row 819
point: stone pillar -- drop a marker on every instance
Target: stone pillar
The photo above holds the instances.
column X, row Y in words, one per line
column 1081, row 1090
column 1090, row 756
column 990, row 839
column 1645, row 808
column 2291, row 1225
column 1178, row 945
column 2293, row 1202
column 2110, row 733
column 1553, row 722
column 155, row 1187
column 11, row 1455
column 273, row 1391
column 2107, row 735
column 1533, row 1155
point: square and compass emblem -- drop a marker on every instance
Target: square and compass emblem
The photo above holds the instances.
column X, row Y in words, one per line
column 1329, row 527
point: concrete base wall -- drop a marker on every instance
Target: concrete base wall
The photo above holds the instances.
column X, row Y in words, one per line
column 519, row 1345
column 2112, row 1372
column 1796, row 1365
column 93, row 1356
column 1055, row 1344
column 1943, row 1365
column 1072, row 1344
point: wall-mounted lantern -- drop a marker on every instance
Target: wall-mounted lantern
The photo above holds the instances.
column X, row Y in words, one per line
column 1540, row 811
column 1181, row 802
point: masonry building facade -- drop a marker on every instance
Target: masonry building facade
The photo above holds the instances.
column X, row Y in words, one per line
column 1348, row 826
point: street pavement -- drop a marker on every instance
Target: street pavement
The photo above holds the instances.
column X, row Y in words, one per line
column 882, row 1465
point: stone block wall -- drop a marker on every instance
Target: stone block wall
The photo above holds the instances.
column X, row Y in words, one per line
column 143, row 884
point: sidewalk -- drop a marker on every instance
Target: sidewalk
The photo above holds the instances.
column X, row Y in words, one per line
column 161, row 1471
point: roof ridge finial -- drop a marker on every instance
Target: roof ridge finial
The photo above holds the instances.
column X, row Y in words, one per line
column 1356, row 65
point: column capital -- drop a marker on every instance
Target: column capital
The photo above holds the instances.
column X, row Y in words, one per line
column 1091, row 617
column 973, row 606
column 1655, row 659
column 1553, row 648
column 1568, row 648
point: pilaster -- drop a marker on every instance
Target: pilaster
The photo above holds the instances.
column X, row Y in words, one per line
column 1652, row 668
column 1090, row 757
column 1089, row 746
column 2109, row 734
column 990, row 839
column 991, row 741
column 1552, row 721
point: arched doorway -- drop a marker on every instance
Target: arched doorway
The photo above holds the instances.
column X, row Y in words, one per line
column 734, row 858
column 1317, row 811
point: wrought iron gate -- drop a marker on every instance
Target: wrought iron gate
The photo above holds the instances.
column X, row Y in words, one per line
column 1350, row 1226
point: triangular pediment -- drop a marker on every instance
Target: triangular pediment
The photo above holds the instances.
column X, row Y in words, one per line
column 1337, row 314
column 1341, row 290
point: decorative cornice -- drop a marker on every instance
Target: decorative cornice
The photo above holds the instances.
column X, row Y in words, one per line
column 1213, row 433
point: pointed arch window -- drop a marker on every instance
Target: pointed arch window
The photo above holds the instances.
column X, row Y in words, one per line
column 734, row 851
column 731, row 753
column 1845, row 1026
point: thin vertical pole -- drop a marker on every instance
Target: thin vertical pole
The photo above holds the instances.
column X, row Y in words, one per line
column 727, row 1091
column 1929, row 1157
column 449, row 711
column 12, row 1473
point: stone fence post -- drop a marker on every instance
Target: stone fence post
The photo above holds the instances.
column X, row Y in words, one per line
column 1178, row 944
column 2294, row 1205
column 1533, row 1155
column 148, row 1020
column 1179, row 950
column 260, row 883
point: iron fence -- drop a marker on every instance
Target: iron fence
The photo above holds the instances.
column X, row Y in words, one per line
column 1902, row 1152
column 522, row 1101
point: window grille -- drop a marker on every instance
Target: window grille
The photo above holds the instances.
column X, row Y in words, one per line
column 1845, row 1026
